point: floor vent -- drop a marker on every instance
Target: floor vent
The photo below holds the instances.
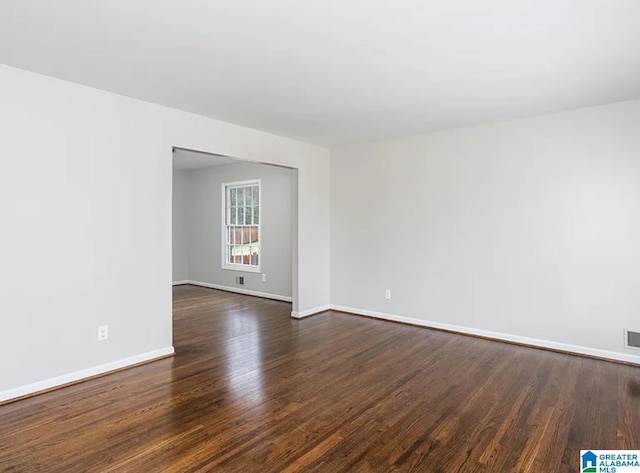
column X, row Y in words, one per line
column 633, row 339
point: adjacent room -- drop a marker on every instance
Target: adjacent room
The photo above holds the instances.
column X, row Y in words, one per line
column 218, row 239
column 278, row 236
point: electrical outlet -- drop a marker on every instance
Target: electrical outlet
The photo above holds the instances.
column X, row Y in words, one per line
column 264, row 277
column 103, row 333
column 387, row 294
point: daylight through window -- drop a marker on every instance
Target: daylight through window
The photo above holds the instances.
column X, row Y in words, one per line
column 241, row 242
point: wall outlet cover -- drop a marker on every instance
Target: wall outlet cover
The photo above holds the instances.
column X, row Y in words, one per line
column 103, row 333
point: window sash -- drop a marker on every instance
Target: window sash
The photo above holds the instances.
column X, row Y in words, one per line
column 241, row 221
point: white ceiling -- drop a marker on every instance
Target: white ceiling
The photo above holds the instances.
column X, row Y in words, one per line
column 337, row 71
column 184, row 160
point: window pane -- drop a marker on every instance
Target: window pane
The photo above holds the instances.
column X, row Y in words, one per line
column 256, row 196
column 245, row 215
column 240, row 196
column 254, row 256
column 235, row 255
column 232, row 197
column 256, row 215
column 240, row 215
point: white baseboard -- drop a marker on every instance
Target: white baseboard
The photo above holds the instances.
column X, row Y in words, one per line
column 83, row 374
column 180, row 283
column 238, row 290
column 534, row 342
column 309, row 312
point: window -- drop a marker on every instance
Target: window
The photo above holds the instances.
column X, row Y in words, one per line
column 241, row 226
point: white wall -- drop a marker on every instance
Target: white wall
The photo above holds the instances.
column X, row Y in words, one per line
column 200, row 215
column 529, row 228
column 180, row 227
column 85, row 198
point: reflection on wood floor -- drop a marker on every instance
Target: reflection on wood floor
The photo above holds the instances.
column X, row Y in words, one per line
column 252, row 390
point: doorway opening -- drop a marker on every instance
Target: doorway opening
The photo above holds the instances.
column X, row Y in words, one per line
column 234, row 225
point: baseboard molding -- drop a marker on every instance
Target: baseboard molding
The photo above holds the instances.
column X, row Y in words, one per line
column 180, row 283
column 498, row 336
column 237, row 290
column 50, row 384
column 310, row 312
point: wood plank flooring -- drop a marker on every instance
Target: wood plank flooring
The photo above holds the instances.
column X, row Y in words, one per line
column 252, row 390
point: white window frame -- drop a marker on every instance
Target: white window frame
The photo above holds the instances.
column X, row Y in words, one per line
column 225, row 198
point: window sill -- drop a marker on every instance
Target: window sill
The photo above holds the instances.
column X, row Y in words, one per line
column 241, row 268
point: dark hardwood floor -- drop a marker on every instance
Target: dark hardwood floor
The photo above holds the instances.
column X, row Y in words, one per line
column 252, row 390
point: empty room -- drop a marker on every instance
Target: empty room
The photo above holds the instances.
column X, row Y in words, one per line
column 319, row 236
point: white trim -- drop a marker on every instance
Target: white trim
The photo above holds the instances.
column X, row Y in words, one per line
column 83, row 374
column 246, row 292
column 309, row 312
column 241, row 268
column 534, row 342
column 245, row 183
column 180, row 283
